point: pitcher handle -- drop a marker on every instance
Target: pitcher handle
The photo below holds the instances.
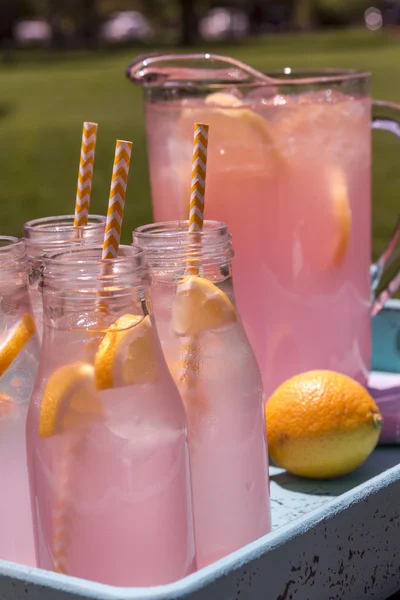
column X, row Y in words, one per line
column 386, row 116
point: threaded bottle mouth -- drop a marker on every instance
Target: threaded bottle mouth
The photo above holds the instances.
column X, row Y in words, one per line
column 170, row 244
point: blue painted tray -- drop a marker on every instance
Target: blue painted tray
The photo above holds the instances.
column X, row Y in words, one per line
column 335, row 540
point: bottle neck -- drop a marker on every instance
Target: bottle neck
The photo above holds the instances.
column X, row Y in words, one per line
column 14, row 263
column 89, row 291
column 171, row 249
column 50, row 234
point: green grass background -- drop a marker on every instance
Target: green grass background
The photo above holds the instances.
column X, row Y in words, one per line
column 43, row 102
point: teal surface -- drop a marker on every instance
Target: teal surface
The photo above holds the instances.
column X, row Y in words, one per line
column 386, row 338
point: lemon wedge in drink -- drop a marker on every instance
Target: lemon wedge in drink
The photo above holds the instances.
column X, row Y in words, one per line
column 127, row 353
column 229, row 112
column 323, row 218
column 225, row 104
column 69, row 399
column 16, row 339
column 342, row 214
column 199, row 306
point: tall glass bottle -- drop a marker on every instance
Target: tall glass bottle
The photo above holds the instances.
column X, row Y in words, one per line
column 214, row 367
column 19, row 359
column 109, row 466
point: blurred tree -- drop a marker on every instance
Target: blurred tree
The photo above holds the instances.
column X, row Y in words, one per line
column 8, row 16
column 269, row 15
column 10, row 12
column 302, row 11
column 73, row 22
column 107, row 7
column 54, row 12
column 255, row 12
column 87, row 22
column 189, row 22
column 339, row 12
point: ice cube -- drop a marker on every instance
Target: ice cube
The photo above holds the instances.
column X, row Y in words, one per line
column 322, row 97
column 264, row 95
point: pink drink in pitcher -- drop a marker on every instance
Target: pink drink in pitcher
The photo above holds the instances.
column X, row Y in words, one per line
column 289, row 171
column 108, row 453
column 291, row 177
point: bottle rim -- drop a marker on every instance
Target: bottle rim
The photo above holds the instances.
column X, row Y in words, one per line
column 82, row 271
column 13, row 256
column 170, row 242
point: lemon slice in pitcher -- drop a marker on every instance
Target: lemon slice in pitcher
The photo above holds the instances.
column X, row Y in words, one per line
column 15, row 340
column 342, row 214
column 69, row 399
column 224, row 106
column 224, row 111
column 199, row 306
column 127, row 353
column 323, row 218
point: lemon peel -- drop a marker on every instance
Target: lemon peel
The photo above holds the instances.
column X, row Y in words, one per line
column 68, row 399
column 199, row 306
column 15, row 341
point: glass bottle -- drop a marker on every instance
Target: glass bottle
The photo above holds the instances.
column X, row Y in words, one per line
column 19, row 359
column 211, row 360
column 108, row 454
column 50, row 234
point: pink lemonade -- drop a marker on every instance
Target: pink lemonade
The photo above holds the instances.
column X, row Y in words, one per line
column 16, row 536
column 19, row 359
column 290, row 175
column 220, row 383
column 110, row 480
column 119, row 533
column 227, row 439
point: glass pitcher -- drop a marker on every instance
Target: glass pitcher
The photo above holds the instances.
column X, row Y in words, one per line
column 289, row 171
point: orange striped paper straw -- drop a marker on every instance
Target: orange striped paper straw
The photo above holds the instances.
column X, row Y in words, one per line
column 64, row 509
column 85, row 174
column 190, row 350
column 116, row 203
column 198, row 187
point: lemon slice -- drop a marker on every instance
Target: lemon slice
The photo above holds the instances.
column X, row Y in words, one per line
column 229, row 103
column 15, row 341
column 223, row 99
column 342, row 214
column 69, row 399
column 326, row 201
column 232, row 123
column 127, row 353
column 199, row 305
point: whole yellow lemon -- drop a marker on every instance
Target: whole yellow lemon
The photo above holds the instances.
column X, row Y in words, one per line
column 321, row 424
